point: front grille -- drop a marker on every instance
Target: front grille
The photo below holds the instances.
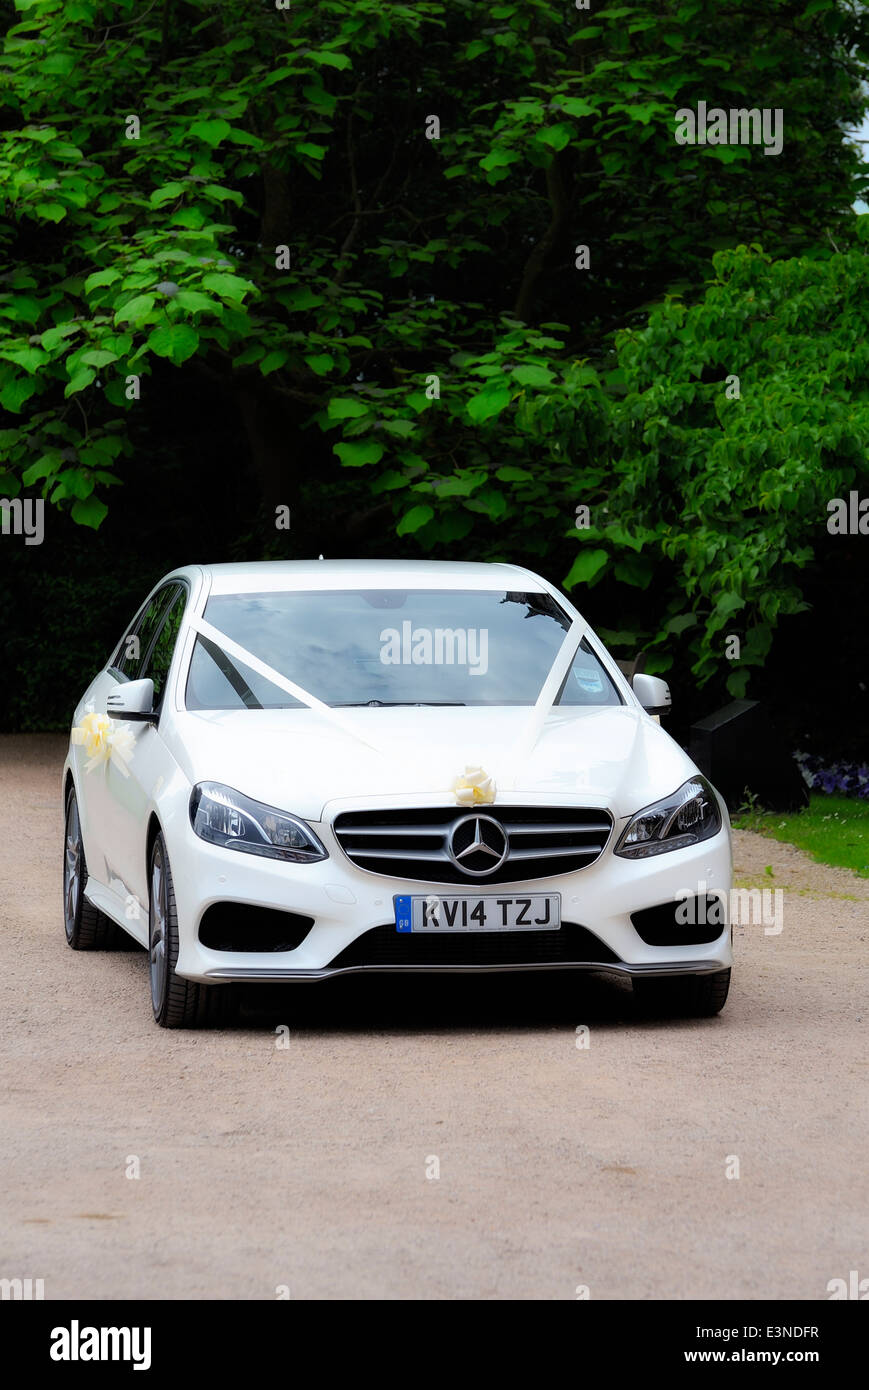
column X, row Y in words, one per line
column 570, row 945
column 414, row 844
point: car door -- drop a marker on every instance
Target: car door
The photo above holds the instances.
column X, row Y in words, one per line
column 95, row 800
column 128, row 797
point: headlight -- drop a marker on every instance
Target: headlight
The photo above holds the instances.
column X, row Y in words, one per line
column 688, row 816
column 225, row 817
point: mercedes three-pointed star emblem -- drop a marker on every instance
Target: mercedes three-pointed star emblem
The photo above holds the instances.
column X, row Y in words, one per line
column 478, row 845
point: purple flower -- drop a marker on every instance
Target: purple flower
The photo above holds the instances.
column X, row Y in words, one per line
column 846, row 778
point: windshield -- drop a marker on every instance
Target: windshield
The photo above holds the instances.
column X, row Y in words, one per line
column 391, row 647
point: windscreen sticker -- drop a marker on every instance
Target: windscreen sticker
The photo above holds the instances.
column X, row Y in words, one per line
column 589, row 680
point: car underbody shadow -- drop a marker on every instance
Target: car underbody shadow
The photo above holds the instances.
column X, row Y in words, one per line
column 402, row 1002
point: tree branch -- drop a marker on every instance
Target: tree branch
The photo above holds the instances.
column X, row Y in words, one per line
column 537, row 259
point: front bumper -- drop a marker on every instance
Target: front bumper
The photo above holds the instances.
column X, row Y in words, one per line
column 264, row 975
column 345, row 902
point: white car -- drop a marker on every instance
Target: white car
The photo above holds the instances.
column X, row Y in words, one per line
column 289, row 771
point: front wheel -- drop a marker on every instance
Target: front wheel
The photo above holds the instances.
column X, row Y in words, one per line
column 177, row 1003
column 683, row 996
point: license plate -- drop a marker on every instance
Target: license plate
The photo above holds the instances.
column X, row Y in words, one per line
column 429, row 912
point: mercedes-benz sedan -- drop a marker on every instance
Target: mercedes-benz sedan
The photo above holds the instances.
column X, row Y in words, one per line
column 289, row 771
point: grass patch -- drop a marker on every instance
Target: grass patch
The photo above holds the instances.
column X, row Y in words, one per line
column 832, row 829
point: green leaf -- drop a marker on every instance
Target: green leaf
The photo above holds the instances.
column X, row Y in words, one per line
column 345, row 408
column 30, row 358
column 98, row 357
column 80, row 380
column 273, row 361
column 50, row 212
column 461, row 483
column 298, row 298
column 223, row 195
column 556, row 137
column 576, row 106
column 61, row 63
column 53, row 337
column 400, row 429
column 76, row 483
column 413, row 520
column 488, row 403
column 16, row 392
column 499, row 158
column 231, row 287
column 188, row 217
column 729, row 603
column 355, row 455
column 636, row 570
column 490, row 501
column 177, row 341
column 43, row 468
column 453, row 527
column 737, row 683
column 331, row 60
column 211, row 132
column 321, row 363
column 22, row 309
column 167, row 194
column 681, row 623
column 586, row 567
column 533, row 375
column 136, row 310
column 89, row 512
column 196, row 303
column 387, row 481
column 101, row 277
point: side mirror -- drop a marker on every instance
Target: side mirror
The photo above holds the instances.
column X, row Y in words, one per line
column 132, row 700
column 652, row 693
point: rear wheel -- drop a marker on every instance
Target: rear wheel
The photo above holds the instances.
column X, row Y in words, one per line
column 87, row 929
column 177, row 1003
column 683, row 996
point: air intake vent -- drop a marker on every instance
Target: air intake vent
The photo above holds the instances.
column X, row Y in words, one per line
column 686, row 922
column 240, row 927
column 490, row 844
column 384, row 946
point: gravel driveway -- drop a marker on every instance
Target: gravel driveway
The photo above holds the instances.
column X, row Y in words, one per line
column 310, row 1167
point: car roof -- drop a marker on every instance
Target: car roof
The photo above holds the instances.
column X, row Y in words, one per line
column 270, row 575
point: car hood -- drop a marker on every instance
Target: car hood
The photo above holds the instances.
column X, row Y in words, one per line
column 300, row 761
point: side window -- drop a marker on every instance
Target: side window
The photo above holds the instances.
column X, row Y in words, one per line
column 137, row 641
column 156, row 665
column 588, row 682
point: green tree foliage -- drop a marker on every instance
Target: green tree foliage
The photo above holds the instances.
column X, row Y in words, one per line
column 720, row 498
column 415, row 259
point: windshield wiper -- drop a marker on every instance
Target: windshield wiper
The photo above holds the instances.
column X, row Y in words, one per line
column 392, row 704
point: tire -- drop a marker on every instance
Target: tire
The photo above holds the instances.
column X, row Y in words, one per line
column 177, row 1003
column 683, row 996
column 86, row 928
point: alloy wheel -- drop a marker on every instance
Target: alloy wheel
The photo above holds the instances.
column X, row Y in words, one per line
column 158, row 914
column 72, row 856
